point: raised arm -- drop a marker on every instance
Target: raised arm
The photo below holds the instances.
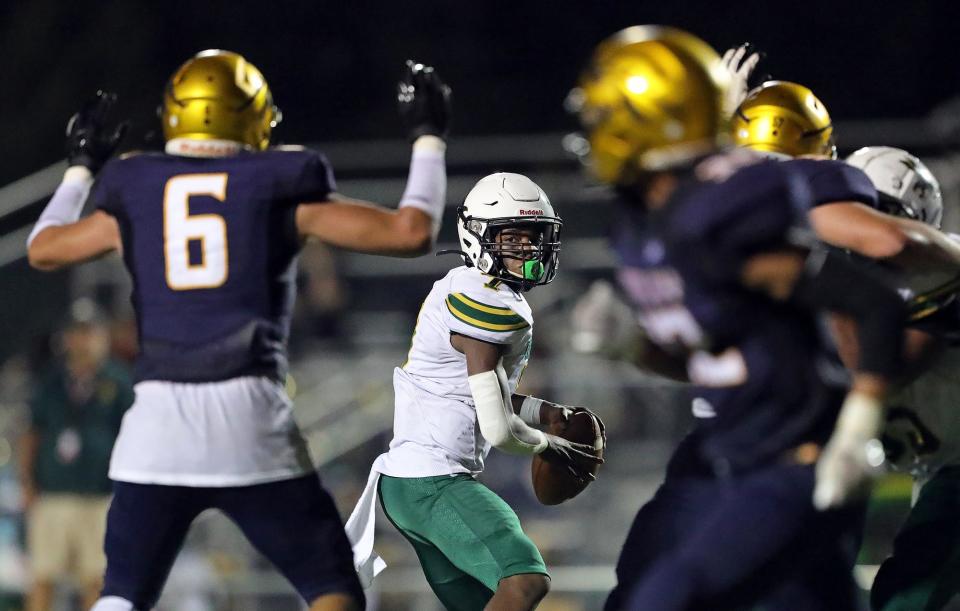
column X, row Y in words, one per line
column 57, row 246
column 60, row 237
column 409, row 231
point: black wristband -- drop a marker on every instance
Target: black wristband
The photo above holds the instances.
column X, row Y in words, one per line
column 831, row 281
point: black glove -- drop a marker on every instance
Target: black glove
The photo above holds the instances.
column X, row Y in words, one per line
column 89, row 142
column 572, row 456
column 603, row 429
column 424, row 101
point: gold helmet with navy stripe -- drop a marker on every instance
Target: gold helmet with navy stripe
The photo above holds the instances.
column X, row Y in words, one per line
column 651, row 98
column 503, row 201
column 219, row 95
column 784, row 119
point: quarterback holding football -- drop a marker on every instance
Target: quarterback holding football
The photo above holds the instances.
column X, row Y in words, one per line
column 456, row 398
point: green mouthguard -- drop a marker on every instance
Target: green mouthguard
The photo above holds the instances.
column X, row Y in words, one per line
column 532, row 270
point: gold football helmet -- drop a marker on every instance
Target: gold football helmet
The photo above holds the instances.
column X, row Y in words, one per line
column 784, row 118
column 219, row 95
column 651, row 98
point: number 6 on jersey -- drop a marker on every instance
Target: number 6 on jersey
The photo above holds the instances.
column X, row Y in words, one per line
column 180, row 228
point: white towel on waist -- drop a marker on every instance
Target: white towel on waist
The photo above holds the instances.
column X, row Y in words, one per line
column 361, row 529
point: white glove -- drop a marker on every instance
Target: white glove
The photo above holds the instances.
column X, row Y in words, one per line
column 854, row 455
column 601, row 323
column 740, row 66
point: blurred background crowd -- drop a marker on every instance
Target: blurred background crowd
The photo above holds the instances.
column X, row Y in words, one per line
column 68, row 337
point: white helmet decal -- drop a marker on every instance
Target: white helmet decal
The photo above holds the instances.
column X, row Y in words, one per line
column 504, row 200
column 906, row 186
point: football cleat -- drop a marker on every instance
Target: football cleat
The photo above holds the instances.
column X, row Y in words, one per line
column 783, row 119
column 650, row 99
column 501, row 201
column 219, row 95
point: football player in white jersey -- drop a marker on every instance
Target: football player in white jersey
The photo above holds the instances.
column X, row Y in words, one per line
column 923, row 422
column 455, row 399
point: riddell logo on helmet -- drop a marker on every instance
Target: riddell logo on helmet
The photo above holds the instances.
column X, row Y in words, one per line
column 539, row 212
column 202, row 148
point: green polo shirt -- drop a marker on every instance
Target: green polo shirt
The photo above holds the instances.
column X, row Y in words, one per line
column 76, row 438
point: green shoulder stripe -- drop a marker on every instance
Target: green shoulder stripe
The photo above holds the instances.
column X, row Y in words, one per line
column 483, row 316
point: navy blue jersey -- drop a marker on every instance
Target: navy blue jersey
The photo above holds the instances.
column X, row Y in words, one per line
column 211, row 246
column 833, row 181
column 760, row 363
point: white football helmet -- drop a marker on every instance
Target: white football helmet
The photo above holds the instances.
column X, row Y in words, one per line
column 505, row 200
column 905, row 185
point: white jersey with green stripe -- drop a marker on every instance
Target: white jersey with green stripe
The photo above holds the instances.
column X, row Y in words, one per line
column 435, row 422
column 923, row 420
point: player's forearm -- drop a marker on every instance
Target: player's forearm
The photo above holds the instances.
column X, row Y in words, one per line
column 42, row 251
column 364, row 227
column 60, row 237
column 409, row 231
column 856, row 227
column 47, row 251
column 498, row 424
column 411, row 234
column 64, row 208
column 67, row 201
column 57, row 246
column 926, row 245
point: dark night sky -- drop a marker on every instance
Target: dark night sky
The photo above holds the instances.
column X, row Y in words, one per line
column 332, row 65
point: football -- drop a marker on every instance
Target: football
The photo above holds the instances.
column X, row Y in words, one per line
column 552, row 483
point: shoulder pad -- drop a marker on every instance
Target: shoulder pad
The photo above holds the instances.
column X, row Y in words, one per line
column 480, row 303
column 489, row 316
column 762, row 198
column 712, row 228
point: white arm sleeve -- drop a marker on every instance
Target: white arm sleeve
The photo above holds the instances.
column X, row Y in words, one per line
column 427, row 181
column 67, row 202
column 498, row 424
